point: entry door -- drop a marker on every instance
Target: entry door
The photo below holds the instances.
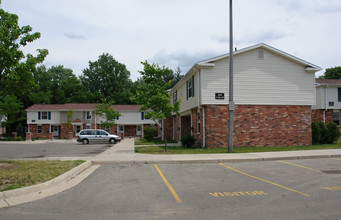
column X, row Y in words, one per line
column 55, row 131
column 138, row 130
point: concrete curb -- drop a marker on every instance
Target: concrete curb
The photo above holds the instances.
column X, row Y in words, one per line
column 141, row 159
column 51, row 187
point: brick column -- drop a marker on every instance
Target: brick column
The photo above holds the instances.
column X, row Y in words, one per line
column 50, row 136
column 28, row 136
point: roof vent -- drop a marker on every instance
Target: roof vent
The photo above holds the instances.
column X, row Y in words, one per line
column 261, row 54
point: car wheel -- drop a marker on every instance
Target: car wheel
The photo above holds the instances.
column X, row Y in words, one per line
column 85, row 141
column 112, row 141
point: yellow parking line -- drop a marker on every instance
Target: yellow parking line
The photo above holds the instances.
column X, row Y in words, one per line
column 293, row 190
column 309, row 168
column 176, row 197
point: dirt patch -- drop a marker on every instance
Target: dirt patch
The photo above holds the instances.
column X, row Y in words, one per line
column 7, row 166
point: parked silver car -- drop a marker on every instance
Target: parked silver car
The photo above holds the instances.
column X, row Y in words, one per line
column 97, row 135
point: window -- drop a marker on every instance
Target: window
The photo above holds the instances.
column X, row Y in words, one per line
column 88, row 115
column 107, row 129
column 44, row 115
column 190, row 87
column 339, row 94
column 39, row 129
column 88, row 126
column 117, row 118
column 121, row 128
column 336, row 118
column 198, row 122
column 78, row 128
column 175, row 96
column 143, row 116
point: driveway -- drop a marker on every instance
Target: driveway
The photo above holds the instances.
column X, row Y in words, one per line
column 50, row 149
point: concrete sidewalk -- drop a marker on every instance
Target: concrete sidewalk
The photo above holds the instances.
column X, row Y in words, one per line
column 123, row 152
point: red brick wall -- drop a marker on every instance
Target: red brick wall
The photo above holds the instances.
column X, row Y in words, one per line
column 195, row 134
column 185, row 125
column 64, row 130
column 272, row 125
column 129, row 130
column 45, row 133
column 257, row 125
column 317, row 115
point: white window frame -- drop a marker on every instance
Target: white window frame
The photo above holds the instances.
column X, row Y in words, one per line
column 119, row 128
column 88, row 115
column 337, row 118
column 39, row 131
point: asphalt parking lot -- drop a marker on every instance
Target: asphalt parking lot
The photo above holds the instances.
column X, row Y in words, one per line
column 291, row 189
column 52, row 149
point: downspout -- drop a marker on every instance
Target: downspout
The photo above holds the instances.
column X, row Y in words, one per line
column 325, row 104
column 203, row 111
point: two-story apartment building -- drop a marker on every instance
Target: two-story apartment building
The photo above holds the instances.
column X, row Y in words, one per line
column 328, row 101
column 273, row 94
column 66, row 120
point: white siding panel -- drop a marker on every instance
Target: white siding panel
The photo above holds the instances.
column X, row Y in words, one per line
column 272, row 81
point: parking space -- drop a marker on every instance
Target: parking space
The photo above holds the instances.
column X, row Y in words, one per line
column 292, row 189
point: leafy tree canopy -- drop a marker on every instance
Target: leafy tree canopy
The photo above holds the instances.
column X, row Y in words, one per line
column 332, row 73
column 15, row 67
column 153, row 93
column 107, row 78
column 106, row 111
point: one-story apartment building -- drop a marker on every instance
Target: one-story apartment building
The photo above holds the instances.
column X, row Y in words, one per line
column 66, row 120
column 273, row 94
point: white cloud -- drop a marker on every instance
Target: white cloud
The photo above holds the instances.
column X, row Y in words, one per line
column 177, row 32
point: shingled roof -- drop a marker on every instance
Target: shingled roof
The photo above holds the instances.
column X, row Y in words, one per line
column 79, row 106
column 328, row 81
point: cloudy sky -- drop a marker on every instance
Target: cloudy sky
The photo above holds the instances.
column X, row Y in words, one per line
column 178, row 33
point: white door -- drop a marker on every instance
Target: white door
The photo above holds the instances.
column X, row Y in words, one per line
column 55, row 131
column 138, row 130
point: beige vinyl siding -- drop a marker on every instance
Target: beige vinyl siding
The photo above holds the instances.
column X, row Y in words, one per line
column 332, row 96
column 132, row 118
column 33, row 116
column 273, row 80
column 319, row 98
column 182, row 94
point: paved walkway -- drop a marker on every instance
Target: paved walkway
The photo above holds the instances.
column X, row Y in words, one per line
column 123, row 152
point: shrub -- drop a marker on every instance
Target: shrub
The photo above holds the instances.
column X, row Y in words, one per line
column 316, row 132
column 187, row 141
column 324, row 133
column 150, row 133
column 333, row 132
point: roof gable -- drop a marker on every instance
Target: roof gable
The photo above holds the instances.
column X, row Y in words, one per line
column 79, row 107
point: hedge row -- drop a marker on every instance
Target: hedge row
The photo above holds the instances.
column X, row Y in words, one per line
column 325, row 134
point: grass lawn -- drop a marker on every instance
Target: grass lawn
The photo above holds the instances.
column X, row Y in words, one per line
column 17, row 174
column 142, row 141
column 182, row 150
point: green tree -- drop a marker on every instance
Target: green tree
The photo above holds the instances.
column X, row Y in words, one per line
column 58, row 85
column 153, row 94
column 106, row 111
column 11, row 109
column 107, row 78
column 332, row 73
column 16, row 68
